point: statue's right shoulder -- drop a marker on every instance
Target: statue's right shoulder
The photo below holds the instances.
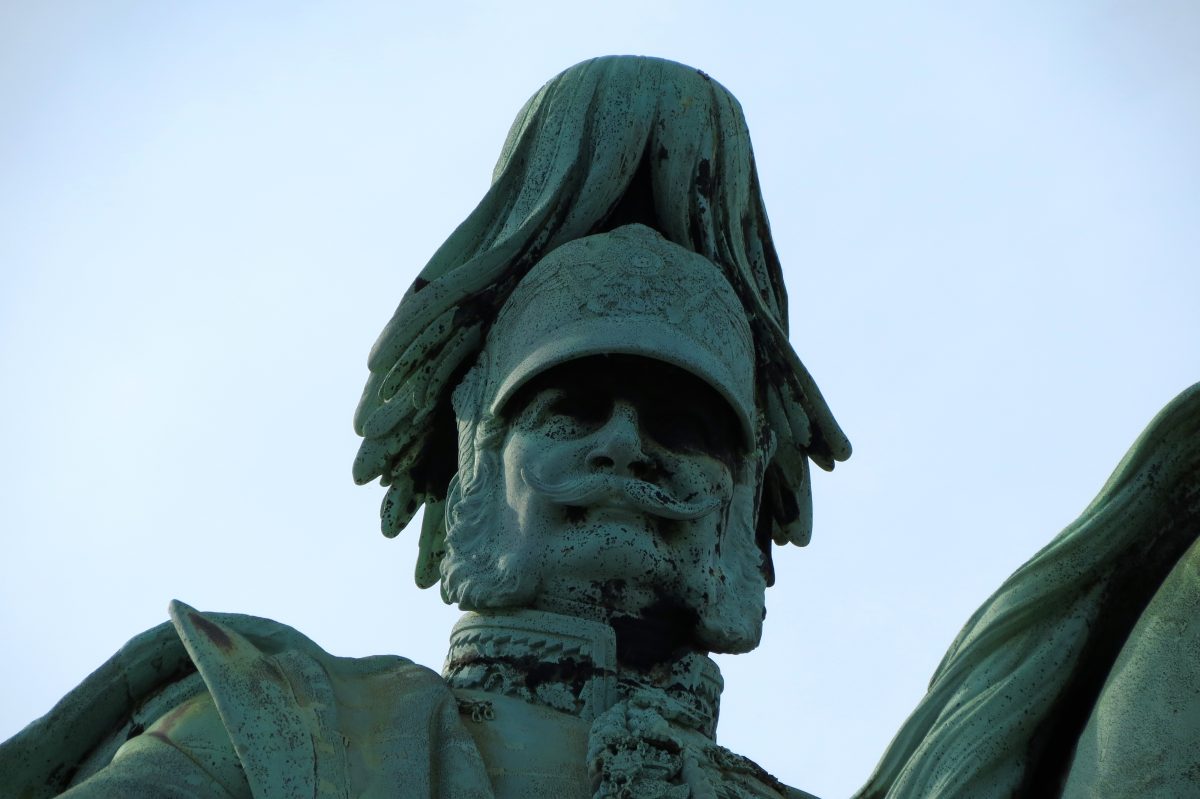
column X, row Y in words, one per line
column 224, row 705
column 145, row 679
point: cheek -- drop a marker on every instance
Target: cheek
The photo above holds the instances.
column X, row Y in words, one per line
column 544, row 455
column 520, row 453
column 694, row 477
column 513, row 458
column 548, row 459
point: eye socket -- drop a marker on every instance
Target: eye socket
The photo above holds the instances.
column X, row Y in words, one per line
column 694, row 428
column 572, row 413
column 584, row 407
column 675, row 409
column 563, row 412
column 565, row 401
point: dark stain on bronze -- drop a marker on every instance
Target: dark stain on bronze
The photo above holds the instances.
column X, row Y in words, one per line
column 213, row 632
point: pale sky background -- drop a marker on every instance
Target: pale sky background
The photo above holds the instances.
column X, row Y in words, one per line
column 987, row 214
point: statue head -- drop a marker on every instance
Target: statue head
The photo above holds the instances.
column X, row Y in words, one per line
column 609, row 143
column 611, row 450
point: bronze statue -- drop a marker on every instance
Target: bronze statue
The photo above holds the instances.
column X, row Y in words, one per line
column 591, row 390
column 606, row 338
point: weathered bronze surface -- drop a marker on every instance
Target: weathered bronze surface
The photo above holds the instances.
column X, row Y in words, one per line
column 591, row 390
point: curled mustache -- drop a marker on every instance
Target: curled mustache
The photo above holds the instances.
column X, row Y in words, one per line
column 610, row 490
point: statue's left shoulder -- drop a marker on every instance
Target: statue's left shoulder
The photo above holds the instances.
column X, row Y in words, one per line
column 1141, row 738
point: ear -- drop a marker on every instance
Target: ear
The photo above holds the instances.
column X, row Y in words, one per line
column 432, row 545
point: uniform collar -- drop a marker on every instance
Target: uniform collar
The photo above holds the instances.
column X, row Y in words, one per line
column 570, row 664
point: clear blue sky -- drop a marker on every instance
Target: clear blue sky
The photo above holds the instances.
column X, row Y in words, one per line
column 989, row 221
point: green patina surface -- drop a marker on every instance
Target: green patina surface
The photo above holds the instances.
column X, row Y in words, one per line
column 591, row 389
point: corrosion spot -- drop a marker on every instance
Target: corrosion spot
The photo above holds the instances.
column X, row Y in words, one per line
column 704, row 179
column 214, row 633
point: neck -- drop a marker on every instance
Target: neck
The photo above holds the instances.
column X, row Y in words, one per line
column 570, row 664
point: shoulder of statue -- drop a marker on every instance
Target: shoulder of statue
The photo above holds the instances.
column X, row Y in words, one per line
column 280, row 697
column 146, row 677
column 247, row 665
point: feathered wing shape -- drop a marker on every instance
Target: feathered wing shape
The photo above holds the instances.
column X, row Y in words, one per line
column 1013, row 692
column 567, row 167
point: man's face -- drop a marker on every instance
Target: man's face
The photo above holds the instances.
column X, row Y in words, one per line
column 619, row 473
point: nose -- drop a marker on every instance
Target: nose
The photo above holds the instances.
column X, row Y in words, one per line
column 617, row 445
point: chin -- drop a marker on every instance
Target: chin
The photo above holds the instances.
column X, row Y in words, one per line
column 733, row 629
column 731, row 604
